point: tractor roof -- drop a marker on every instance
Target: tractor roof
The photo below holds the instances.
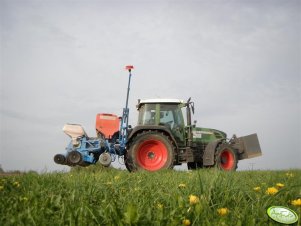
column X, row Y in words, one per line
column 160, row 101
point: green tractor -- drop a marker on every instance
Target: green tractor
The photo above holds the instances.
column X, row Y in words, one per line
column 165, row 137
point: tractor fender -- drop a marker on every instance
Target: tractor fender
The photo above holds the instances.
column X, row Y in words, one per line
column 209, row 152
column 139, row 129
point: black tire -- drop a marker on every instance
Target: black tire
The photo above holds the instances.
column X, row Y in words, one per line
column 151, row 151
column 105, row 159
column 74, row 158
column 226, row 157
column 59, row 159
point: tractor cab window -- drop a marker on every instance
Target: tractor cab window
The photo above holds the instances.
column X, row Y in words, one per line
column 147, row 113
column 184, row 113
column 161, row 114
column 171, row 116
column 168, row 115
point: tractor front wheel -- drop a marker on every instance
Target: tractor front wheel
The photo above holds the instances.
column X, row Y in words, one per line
column 150, row 151
column 226, row 158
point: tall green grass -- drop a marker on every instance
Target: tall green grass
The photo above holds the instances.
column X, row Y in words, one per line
column 106, row 196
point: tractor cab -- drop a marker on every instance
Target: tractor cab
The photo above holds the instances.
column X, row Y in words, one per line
column 163, row 112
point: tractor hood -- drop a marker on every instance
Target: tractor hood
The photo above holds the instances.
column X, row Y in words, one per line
column 206, row 135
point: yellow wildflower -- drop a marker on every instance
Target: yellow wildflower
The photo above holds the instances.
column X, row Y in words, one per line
column 160, row 206
column 296, row 202
column 1, row 188
column 16, row 184
column 193, row 199
column 223, row 211
column 271, row 191
column 25, row 199
column 256, row 189
column 289, row 174
column 116, row 177
column 182, row 186
column 279, row 185
column 186, row 222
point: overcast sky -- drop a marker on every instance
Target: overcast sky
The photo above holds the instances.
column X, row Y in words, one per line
column 63, row 61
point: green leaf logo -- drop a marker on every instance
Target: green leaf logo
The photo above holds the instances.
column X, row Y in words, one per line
column 282, row 214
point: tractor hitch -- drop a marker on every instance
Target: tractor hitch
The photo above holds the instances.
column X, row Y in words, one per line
column 112, row 132
column 247, row 146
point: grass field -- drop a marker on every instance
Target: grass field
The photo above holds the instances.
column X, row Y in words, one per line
column 98, row 196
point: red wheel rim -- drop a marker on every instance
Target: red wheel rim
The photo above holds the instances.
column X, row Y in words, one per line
column 227, row 160
column 152, row 155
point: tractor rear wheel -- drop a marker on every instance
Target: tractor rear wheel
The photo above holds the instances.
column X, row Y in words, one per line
column 226, row 158
column 150, row 151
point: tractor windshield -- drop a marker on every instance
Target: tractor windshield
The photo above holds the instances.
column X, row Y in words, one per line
column 161, row 114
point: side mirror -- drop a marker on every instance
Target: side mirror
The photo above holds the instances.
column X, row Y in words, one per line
column 192, row 107
column 191, row 104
